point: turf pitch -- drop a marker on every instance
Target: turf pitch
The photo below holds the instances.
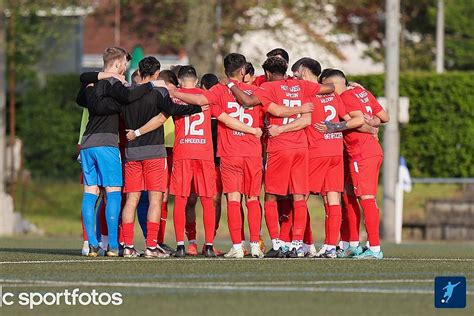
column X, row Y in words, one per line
column 402, row 284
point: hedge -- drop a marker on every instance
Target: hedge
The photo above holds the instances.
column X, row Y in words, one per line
column 439, row 139
column 437, row 142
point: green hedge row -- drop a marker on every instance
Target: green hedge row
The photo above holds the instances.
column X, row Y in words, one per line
column 437, row 142
column 439, row 139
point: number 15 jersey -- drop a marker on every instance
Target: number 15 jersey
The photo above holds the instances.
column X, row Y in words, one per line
column 231, row 143
column 193, row 135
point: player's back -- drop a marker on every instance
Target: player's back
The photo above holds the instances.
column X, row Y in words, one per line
column 193, row 133
column 361, row 145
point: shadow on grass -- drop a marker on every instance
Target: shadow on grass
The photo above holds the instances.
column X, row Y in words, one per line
column 54, row 251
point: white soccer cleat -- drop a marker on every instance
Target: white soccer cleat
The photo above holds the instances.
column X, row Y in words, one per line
column 256, row 251
column 311, row 252
column 235, row 253
column 321, row 251
column 85, row 248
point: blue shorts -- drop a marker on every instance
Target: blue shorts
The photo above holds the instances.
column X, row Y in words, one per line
column 102, row 166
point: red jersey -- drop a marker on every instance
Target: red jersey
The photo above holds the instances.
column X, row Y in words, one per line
column 259, row 80
column 290, row 93
column 193, row 134
column 231, row 143
column 327, row 107
column 361, row 145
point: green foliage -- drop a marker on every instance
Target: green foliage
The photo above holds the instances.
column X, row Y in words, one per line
column 439, row 139
column 48, row 123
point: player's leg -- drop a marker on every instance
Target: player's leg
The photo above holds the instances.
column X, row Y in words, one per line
column 316, row 170
column 128, row 222
column 285, row 218
column 190, row 227
column 308, row 241
column 368, row 169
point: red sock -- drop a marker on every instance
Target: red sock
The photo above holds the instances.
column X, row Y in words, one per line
column 372, row 220
column 209, row 215
column 326, row 223
column 163, row 218
column 152, row 233
column 84, row 234
column 285, row 211
column 351, row 218
column 179, row 217
column 102, row 219
column 242, row 230
column 128, row 233
column 234, row 221
column 271, row 218
column 308, row 232
column 255, row 219
column 334, row 224
column 299, row 219
column 191, row 230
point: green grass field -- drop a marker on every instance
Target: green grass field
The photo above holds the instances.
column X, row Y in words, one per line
column 402, row 284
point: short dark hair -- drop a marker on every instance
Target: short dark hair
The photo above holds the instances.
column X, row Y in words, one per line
column 313, row 65
column 233, row 62
column 187, row 72
column 135, row 74
column 297, row 64
column 175, row 69
column 249, row 70
column 279, row 52
column 330, row 72
column 208, row 81
column 275, row 65
column 113, row 53
column 169, row 77
column 148, row 66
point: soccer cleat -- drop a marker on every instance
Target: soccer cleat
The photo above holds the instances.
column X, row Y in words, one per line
column 209, row 252
column 235, row 253
column 285, row 250
column 130, row 252
column 256, row 251
column 321, row 251
column 245, row 248
column 296, row 253
column 262, row 245
column 351, row 252
column 192, row 250
column 154, row 253
column 310, row 252
column 203, row 250
column 330, row 253
column 272, row 253
column 167, row 249
column 180, row 252
column 370, row 255
column 85, row 248
column 112, row 253
column 93, row 251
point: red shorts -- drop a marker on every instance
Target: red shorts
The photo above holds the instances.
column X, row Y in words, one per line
column 326, row 174
column 365, row 175
column 146, row 175
column 242, row 174
column 219, row 187
column 287, row 172
column 200, row 175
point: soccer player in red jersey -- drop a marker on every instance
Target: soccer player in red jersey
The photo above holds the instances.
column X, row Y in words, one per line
column 287, row 163
column 241, row 165
column 365, row 155
column 276, row 52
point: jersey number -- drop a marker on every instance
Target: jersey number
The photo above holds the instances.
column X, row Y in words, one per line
column 368, row 109
column 239, row 113
column 192, row 128
column 291, row 104
column 332, row 112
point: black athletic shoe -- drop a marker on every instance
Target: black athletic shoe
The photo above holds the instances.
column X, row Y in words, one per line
column 93, row 251
column 167, row 248
column 292, row 253
column 180, row 252
column 209, row 252
column 272, row 253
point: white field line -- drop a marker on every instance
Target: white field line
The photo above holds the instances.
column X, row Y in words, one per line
column 244, row 286
column 99, row 260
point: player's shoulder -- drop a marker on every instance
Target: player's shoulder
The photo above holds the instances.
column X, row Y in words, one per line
column 191, row 90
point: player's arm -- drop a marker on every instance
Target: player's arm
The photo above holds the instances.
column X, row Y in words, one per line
column 171, row 108
column 94, row 76
column 354, row 119
column 126, row 95
column 285, row 111
column 243, row 98
column 100, row 106
column 237, row 125
column 296, row 125
column 326, row 88
column 196, row 99
column 382, row 116
column 154, row 123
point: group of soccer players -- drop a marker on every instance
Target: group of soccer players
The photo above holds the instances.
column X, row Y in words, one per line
column 310, row 133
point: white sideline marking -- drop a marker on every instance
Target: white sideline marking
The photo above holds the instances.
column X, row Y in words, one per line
column 240, row 286
column 96, row 260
